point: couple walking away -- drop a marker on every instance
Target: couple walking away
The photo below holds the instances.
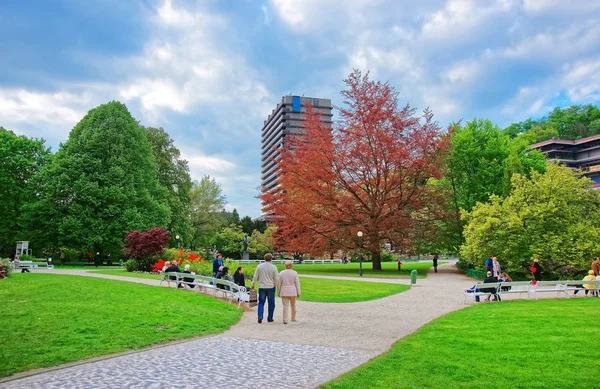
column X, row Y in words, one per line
column 288, row 286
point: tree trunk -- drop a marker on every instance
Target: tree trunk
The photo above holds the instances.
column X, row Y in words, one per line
column 376, row 258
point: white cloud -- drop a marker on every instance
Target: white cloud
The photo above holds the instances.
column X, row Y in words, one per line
column 582, row 80
column 560, row 6
column 22, row 106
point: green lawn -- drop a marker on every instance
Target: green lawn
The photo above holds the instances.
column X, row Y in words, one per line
column 51, row 319
column 341, row 291
column 125, row 273
column 521, row 344
column 390, row 269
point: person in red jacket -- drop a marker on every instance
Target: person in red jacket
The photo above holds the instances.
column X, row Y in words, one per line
column 537, row 270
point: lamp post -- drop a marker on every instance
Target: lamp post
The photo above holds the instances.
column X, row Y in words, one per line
column 359, row 234
column 177, row 239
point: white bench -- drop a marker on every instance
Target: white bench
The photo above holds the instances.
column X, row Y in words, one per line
column 520, row 287
column 482, row 289
column 560, row 287
column 30, row 265
column 228, row 289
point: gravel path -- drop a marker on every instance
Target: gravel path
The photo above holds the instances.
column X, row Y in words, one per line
column 326, row 341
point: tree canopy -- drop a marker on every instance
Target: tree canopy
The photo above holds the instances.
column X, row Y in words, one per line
column 554, row 216
column 206, row 211
column 20, row 159
column 574, row 122
column 174, row 175
column 101, row 183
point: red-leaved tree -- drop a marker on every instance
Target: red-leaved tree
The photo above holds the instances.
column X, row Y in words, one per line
column 368, row 173
column 145, row 246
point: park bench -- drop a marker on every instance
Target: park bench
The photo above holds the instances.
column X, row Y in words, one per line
column 227, row 289
column 565, row 286
column 30, row 265
column 520, row 287
column 481, row 289
column 560, row 287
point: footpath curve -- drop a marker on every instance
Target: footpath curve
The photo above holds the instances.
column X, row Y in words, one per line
column 327, row 340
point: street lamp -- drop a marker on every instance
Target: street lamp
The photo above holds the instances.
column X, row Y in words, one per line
column 359, row 234
column 177, row 239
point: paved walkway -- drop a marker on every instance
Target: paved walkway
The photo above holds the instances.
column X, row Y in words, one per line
column 326, row 341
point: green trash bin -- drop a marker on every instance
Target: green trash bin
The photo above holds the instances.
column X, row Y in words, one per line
column 413, row 277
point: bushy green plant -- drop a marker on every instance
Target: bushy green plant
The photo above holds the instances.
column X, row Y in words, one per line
column 26, row 257
column 170, row 254
column 131, row 265
column 387, row 256
column 553, row 216
column 5, row 266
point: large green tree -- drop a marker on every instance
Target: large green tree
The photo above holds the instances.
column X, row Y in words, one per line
column 206, row 211
column 101, row 183
column 482, row 160
column 553, row 216
column 574, row 122
column 174, row 176
column 20, row 159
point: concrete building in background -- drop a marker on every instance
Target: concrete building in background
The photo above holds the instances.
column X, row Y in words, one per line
column 287, row 118
column 581, row 154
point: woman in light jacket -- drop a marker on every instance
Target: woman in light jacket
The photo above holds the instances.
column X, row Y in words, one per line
column 288, row 288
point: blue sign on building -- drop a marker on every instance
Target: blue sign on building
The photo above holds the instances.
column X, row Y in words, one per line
column 296, row 103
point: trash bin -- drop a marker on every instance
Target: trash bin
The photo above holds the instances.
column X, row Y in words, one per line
column 413, row 277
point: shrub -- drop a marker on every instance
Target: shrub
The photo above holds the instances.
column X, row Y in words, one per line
column 145, row 246
column 5, row 266
column 26, row 257
column 387, row 256
column 131, row 265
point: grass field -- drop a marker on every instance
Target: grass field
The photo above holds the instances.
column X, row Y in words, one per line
column 521, row 344
column 316, row 289
column 50, row 319
column 341, row 291
column 125, row 273
column 390, row 269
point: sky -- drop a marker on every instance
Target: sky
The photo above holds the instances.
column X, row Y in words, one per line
column 209, row 72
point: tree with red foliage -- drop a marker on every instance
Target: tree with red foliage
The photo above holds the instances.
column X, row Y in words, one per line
column 369, row 173
column 145, row 246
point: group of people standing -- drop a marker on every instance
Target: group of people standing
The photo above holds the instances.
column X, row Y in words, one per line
column 269, row 280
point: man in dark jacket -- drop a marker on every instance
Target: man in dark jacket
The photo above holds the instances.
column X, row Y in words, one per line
column 97, row 259
column 174, row 269
column 489, row 280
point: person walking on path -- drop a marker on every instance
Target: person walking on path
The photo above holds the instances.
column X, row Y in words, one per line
column 288, row 289
column 266, row 276
column 488, row 264
column 435, row 263
column 537, row 270
column 97, row 259
column 496, row 271
column 596, row 266
column 217, row 263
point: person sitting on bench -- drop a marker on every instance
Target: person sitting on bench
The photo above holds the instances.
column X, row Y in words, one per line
column 188, row 280
column 489, row 280
column 587, row 287
column 174, row 269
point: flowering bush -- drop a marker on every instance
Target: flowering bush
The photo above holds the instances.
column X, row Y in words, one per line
column 158, row 266
column 183, row 258
column 5, row 266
